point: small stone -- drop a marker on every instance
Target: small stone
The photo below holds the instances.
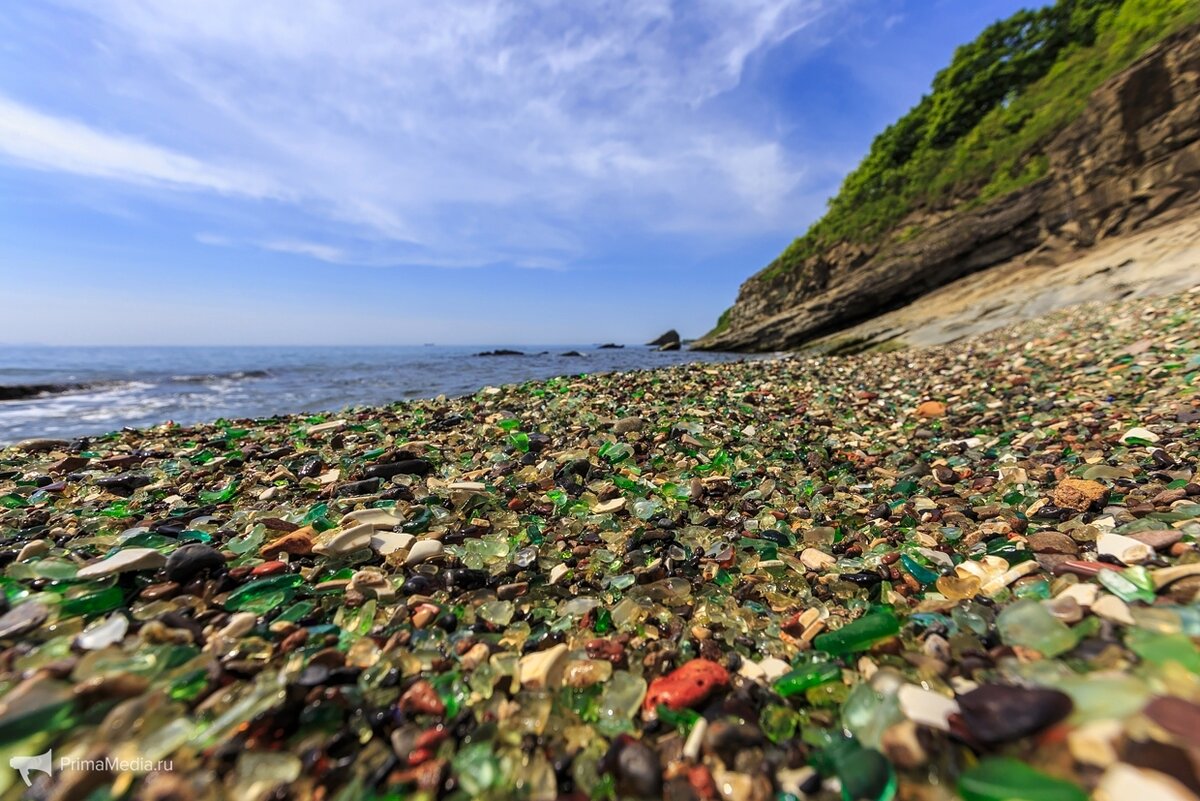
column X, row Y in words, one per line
column 926, row 708
column 558, row 572
column 1052, row 542
column 422, row 699
column 816, row 560
column 41, row 445
column 1000, row 713
column 1064, row 608
column 1167, row 575
column 22, row 618
column 130, row 559
column 1095, row 743
column 543, row 670
column 606, row 507
column 1139, row 434
column 296, row 543
column 638, row 771
column 423, row 551
column 340, row 542
column 1078, row 494
column 185, row 563
column 901, row 744
column 1082, row 594
column 379, row 518
column 931, row 409
column 1177, row 716
column 109, row 632
column 1122, row 782
column 586, row 672
column 627, row 425
column 33, row 548
column 1158, row 540
column 686, row 686
column 386, row 542
column 1125, row 549
column 1110, row 607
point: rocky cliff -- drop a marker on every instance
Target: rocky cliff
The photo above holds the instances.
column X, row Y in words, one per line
column 1130, row 160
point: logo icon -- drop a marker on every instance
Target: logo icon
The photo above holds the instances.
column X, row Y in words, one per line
column 24, row 764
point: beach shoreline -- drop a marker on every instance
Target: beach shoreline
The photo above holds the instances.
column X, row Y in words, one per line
column 691, row 581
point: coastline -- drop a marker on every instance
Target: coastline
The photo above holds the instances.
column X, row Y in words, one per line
column 559, row 583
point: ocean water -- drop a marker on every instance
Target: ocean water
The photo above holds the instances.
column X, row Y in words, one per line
column 96, row 390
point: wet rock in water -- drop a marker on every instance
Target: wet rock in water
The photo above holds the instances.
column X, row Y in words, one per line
column 609, row 346
column 501, row 352
column 670, row 337
column 1001, row 713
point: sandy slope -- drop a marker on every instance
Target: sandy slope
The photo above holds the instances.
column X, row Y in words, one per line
column 1152, row 262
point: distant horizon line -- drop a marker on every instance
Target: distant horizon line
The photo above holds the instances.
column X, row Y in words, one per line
column 595, row 345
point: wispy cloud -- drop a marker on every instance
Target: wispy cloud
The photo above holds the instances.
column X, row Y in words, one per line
column 46, row 142
column 505, row 131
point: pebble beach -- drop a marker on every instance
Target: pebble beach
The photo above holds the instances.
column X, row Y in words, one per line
column 966, row 571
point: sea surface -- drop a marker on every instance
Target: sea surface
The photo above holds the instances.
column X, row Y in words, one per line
column 94, row 390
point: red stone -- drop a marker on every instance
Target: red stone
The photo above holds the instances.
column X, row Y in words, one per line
column 701, row 781
column 1080, row 568
column 268, row 569
column 686, row 686
column 421, row 698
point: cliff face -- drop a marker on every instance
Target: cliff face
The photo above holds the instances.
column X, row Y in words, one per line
column 1131, row 158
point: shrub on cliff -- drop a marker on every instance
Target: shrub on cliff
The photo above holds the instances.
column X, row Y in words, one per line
column 978, row 134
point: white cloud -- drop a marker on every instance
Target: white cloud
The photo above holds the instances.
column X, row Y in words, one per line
column 465, row 132
column 53, row 143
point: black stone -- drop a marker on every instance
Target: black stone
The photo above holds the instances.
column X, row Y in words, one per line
column 1001, row 713
column 638, row 771
column 408, row 467
column 190, row 561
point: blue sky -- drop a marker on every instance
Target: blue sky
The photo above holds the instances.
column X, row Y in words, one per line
column 379, row 172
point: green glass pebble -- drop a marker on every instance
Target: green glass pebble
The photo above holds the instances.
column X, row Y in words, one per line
column 1162, row 648
column 865, row 774
column 1007, row 779
column 859, row 635
column 1028, row 624
column 223, row 495
column 296, row 612
column 263, row 595
column 801, row 679
column 778, row 722
column 92, row 602
column 12, row 501
column 1120, row 585
column 476, row 768
column 918, row 571
column 188, row 686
